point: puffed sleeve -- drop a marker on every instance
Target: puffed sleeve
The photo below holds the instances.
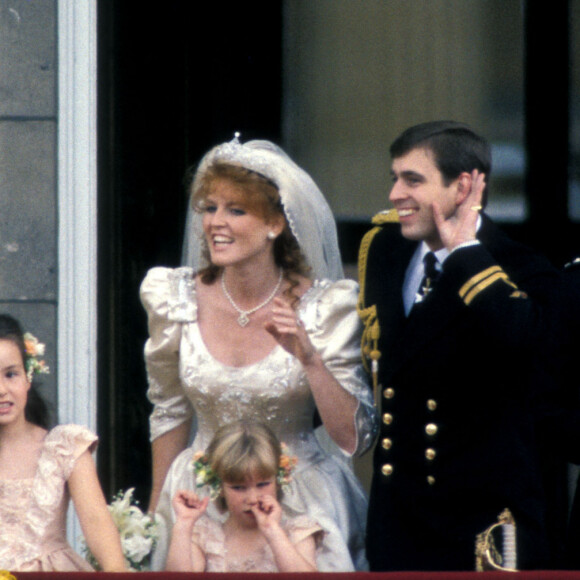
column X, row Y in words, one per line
column 63, row 445
column 168, row 296
column 335, row 329
column 66, row 443
column 301, row 527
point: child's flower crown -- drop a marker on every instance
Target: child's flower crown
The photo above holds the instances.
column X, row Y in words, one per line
column 205, row 475
column 33, row 350
column 285, row 467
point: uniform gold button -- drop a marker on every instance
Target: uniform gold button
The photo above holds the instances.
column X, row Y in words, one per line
column 430, row 454
column 431, row 404
column 387, row 469
column 431, row 429
column 386, row 443
column 430, row 480
column 389, row 393
column 387, row 418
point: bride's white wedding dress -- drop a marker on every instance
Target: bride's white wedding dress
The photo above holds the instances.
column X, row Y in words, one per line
column 185, row 380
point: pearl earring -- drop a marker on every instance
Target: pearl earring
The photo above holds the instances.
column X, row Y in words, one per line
column 271, row 236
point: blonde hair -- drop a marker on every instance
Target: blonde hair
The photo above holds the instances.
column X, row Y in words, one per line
column 242, row 449
column 262, row 197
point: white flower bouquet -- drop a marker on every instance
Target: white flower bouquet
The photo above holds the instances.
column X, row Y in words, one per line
column 138, row 532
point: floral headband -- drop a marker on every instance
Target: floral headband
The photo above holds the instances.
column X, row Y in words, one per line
column 205, row 475
column 33, row 350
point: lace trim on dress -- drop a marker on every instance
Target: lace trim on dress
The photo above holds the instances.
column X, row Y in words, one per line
column 367, row 425
column 182, row 307
column 209, row 536
column 161, row 415
column 309, row 308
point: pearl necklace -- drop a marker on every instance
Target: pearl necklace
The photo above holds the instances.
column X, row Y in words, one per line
column 243, row 317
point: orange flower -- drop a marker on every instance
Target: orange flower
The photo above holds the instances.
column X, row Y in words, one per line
column 30, row 347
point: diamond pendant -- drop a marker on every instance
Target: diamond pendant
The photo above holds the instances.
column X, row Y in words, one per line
column 243, row 319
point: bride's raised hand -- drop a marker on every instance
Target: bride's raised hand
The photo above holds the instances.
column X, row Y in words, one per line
column 288, row 330
column 335, row 404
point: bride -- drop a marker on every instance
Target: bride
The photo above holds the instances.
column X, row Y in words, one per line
column 261, row 326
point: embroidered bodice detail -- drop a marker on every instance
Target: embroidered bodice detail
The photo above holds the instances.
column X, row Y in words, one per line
column 185, row 379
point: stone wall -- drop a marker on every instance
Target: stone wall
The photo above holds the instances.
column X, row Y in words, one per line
column 28, row 187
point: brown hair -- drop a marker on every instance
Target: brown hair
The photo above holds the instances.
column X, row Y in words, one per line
column 262, row 198
column 241, row 449
column 455, row 147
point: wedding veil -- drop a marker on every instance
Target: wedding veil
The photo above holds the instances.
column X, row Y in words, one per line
column 308, row 214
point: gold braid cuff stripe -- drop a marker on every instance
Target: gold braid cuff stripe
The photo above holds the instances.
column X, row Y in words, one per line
column 481, row 281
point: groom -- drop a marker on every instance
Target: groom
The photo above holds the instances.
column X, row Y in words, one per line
column 452, row 341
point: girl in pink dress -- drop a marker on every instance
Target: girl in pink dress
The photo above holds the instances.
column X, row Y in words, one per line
column 244, row 468
column 40, row 470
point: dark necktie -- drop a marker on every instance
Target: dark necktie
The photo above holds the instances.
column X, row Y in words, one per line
column 430, row 277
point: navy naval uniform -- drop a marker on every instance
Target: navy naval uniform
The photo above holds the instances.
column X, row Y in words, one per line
column 454, row 382
column 560, row 424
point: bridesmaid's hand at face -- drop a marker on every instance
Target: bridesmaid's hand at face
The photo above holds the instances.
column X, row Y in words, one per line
column 268, row 513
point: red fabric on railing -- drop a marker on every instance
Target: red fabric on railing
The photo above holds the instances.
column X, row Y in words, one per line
column 529, row 575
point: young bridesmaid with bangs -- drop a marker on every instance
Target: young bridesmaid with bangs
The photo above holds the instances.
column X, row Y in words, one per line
column 245, row 470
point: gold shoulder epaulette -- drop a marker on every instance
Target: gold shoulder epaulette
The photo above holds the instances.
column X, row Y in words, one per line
column 368, row 314
column 387, row 216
